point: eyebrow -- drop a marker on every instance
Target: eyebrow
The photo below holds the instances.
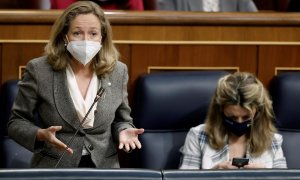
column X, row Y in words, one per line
column 84, row 26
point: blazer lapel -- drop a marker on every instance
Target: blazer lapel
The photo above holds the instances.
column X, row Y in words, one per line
column 104, row 83
column 63, row 100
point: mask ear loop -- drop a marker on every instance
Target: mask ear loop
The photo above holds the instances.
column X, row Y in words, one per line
column 97, row 60
column 67, row 40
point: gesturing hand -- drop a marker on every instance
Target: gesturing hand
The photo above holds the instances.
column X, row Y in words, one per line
column 128, row 139
column 48, row 135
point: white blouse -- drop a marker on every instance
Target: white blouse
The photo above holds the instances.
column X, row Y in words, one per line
column 198, row 154
column 82, row 105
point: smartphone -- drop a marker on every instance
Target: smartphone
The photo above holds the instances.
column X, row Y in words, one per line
column 240, row 162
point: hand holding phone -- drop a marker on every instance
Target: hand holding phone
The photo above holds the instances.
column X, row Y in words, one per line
column 240, row 162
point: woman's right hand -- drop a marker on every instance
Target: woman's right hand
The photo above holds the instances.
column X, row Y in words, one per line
column 225, row 165
column 48, row 135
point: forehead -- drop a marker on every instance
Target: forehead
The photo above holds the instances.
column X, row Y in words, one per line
column 85, row 21
column 235, row 110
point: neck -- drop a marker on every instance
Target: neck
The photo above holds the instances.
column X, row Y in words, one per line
column 237, row 146
column 237, row 139
column 79, row 68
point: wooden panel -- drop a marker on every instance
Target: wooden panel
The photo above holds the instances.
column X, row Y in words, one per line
column 143, row 56
column 18, row 54
column 25, row 32
column 167, row 33
column 272, row 56
column 125, row 53
column 125, row 57
column 173, row 26
column 206, row 33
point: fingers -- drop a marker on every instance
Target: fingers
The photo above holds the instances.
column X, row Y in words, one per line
column 61, row 146
column 140, row 131
column 225, row 165
column 69, row 151
column 129, row 139
column 56, row 142
column 254, row 166
column 55, row 128
column 138, row 143
column 127, row 148
column 121, row 145
column 131, row 145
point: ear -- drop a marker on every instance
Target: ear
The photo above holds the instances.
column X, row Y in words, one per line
column 66, row 40
column 254, row 111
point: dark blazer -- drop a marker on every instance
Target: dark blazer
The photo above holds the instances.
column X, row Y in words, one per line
column 197, row 5
column 44, row 92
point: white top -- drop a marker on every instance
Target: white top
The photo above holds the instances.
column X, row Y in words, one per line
column 211, row 5
column 197, row 153
column 82, row 105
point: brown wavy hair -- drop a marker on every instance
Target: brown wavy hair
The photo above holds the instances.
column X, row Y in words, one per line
column 246, row 90
column 58, row 56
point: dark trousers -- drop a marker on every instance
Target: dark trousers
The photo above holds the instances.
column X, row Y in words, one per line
column 86, row 162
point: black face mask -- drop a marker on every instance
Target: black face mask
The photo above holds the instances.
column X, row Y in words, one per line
column 236, row 128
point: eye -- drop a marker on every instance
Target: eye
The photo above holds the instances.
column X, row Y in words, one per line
column 247, row 118
column 76, row 33
column 94, row 33
column 230, row 117
column 233, row 118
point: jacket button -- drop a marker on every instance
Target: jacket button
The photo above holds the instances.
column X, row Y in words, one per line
column 91, row 147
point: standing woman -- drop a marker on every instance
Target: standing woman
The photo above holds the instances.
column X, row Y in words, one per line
column 61, row 86
column 239, row 124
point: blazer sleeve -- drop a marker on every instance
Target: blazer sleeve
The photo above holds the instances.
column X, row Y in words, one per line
column 21, row 125
column 123, row 119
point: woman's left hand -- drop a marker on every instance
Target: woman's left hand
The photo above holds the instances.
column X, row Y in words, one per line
column 254, row 166
column 128, row 139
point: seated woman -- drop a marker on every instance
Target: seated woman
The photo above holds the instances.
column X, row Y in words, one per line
column 239, row 124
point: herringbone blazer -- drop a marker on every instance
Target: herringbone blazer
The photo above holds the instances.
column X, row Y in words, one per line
column 43, row 92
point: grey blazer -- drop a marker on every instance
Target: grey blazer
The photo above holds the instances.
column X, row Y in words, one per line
column 197, row 5
column 44, row 91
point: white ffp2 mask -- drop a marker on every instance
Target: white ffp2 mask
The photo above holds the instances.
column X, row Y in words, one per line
column 84, row 51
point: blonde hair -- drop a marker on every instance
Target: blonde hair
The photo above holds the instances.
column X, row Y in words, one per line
column 246, row 90
column 58, row 56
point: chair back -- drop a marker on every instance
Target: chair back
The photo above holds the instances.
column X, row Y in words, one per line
column 285, row 92
column 12, row 154
column 167, row 105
